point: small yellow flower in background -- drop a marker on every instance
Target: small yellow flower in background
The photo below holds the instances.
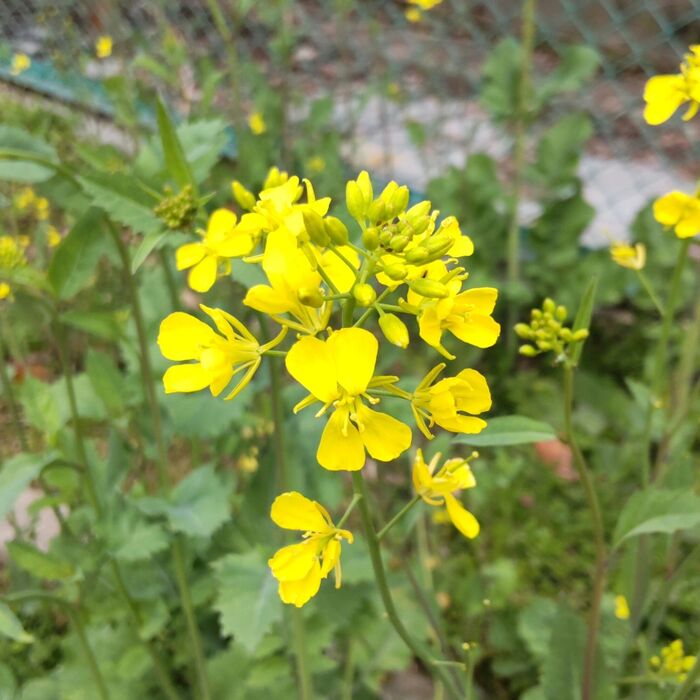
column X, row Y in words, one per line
column 436, row 488
column 25, row 198
column 664, row 94
column 256, row 123
column 316, row 164
column 413, row 14
column 679, row 211
column 20, row 63
column 299, row 568
column 42, row 208
column 11, row 258
column 425, row 4
column 339, row 372
column 673, row 662
column 5, row 290
column 222, row 240
column 53, row 236
column 218, row 357
column 447, row 402
column 622, row 609
column 103, row 46
column 632, row 257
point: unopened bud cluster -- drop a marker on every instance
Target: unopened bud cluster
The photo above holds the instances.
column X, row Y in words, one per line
column 177, row 210
column 11, row 254
column 546, row 331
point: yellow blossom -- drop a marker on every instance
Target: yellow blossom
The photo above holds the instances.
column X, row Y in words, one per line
column 664, row 94
column 622, row 609
column 256, row 123
column 316, row 164
column 223, row 240
column 20, row 63
column 300, row 567
column 103, row 46
column 673, row 662
column 216, row 357
column 413, row 14
column 339, row 372
column 449, row 402
column 53, row 236
column 42, row 208
column 11, row 258
column 5, row 290
column 436, row 486
column 425, row 4
column 632, row 257
column 679, row 211
column 25, row 198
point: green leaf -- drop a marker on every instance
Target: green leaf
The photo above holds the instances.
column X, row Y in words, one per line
column 11, row 627
column 561, row 674
column 199, row 504
column 175, row 162
column 578, row 65
column 130, row 537
column 501, row 77
column 203, row 141
column 583, row 317
column 534, row 626
column 247, row 600
column 41, row 408
column 41, row 565
column 103, row 324
column 17, row 473
column 74, row 262
column 149, row 242
column 657, row 510
column 106, row 380
column 509, row 430
column 15, row 139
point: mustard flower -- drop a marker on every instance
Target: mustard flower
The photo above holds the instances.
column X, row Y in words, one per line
column 103, row 46
column 673, row 662
column 25, row 198
column 20, row 63
column 221, row 241
column 679, row 211
column 436, row 486
column 664, row 94
column 300, row 567
column 632, row 257
column 622, row 609
column 11, row 258
column 216, row 357
column 339, row 372
column 452, row 403
column 256, row 123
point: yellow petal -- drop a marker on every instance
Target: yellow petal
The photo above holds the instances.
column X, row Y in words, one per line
column 481, row 300
column 264, row 298
column 299, row 592
column 460, row 424
column 462, row 247
column 429, row 327
column 221, row 222
column 472, row 394
column 294, row 562
column 354, row 352
column 186, row 378
column 182, row 336
column 664, row 94
column 189, row 255
column 461, row 518
column 293, row 511
column 384, row 436
column 422, row 478
column 481, row 331
column 311, row 363
column 331, row 556
column 338, row 451
column 203, row 275
column 234, row 246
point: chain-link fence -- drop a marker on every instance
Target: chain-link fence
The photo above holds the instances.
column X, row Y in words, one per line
column 404, row 94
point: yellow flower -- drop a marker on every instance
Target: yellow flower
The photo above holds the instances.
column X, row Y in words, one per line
column 42, row 208
column 25, row 198
column 436, row 488
column 256, row 123
column 448, row 402
column 622, row 609
column 679, row 211
column 339, row 373
column 103, row 46
column 664, row 94
column 300, row 567
column 20, row 63
column 466, row 314
column 316, row 164
column 631, row 257
column 218, row 357
column 5, row 290
column 222, row 240
column 673, row 662
column 53, row 236
column 413, row 14
column 425, row 4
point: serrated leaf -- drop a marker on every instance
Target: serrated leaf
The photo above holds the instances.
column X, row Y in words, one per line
column 247, row 600
column 501, row 77
column 147, row 245
column 41, row 565
column 74, row 262
column 17, row 473
column 578, row 65
column 657, row 511
column 11, row 627
column 41, row 409
column 131, row 538
column 509, row 430
column 175, row 161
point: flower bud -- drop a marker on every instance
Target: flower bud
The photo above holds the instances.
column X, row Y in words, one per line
column 310, row 297
column 377, row 211
column 355, row 202
column 549, row 306
column 398, row 243
column 364, row 294
column 438, row 242
column 275, row 178
column 244, row 197
column 420, row 225
column 336, row 230
column 580, row 335
column 561, row 313
column 394, row 330
column 417, row 255
column 313, row 223
column 370, row 238
column 527, row 350
column 365, row 185
column 418, row 211
column 432, row 289
column 522, row 330
column 398, row 202
column 385, row 236
column 396, row 272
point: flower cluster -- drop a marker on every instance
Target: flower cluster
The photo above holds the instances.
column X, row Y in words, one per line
column 12, row 257
column 322, row 285
column 672, row 664
column 414, row 13
column 546, row 332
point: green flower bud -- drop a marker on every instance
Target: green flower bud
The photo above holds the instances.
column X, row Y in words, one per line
column 429, row 288
column 336, row 230
column 310, row 297
column 398, row 243
column 544, row 345
column 420, row 225
column 244, row 197
column 580, row 335
column 364, row 294
column 365, row 185
column 355, row 202
column 394, row 330
column 418, row 211
column 313, row 223
column 385, row 236
column 566, row 335
column 396, row 272
column 549, row 306
column 536, row 313
column 527, row 350
column 417, row 255
column 561, row 313
column 377, row 211
column 398, row 202
column 370, row 238
column 522, row 330
column 438, row 242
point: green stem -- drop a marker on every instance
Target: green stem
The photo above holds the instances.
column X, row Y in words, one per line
column 169, row 280
column 650, row 291
column 355, row 500
column 349, row 671
column 382, row 533
column 598, row 533
column 417, row 647
column 9, row 393
column 688, row 685
column 324, row 276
